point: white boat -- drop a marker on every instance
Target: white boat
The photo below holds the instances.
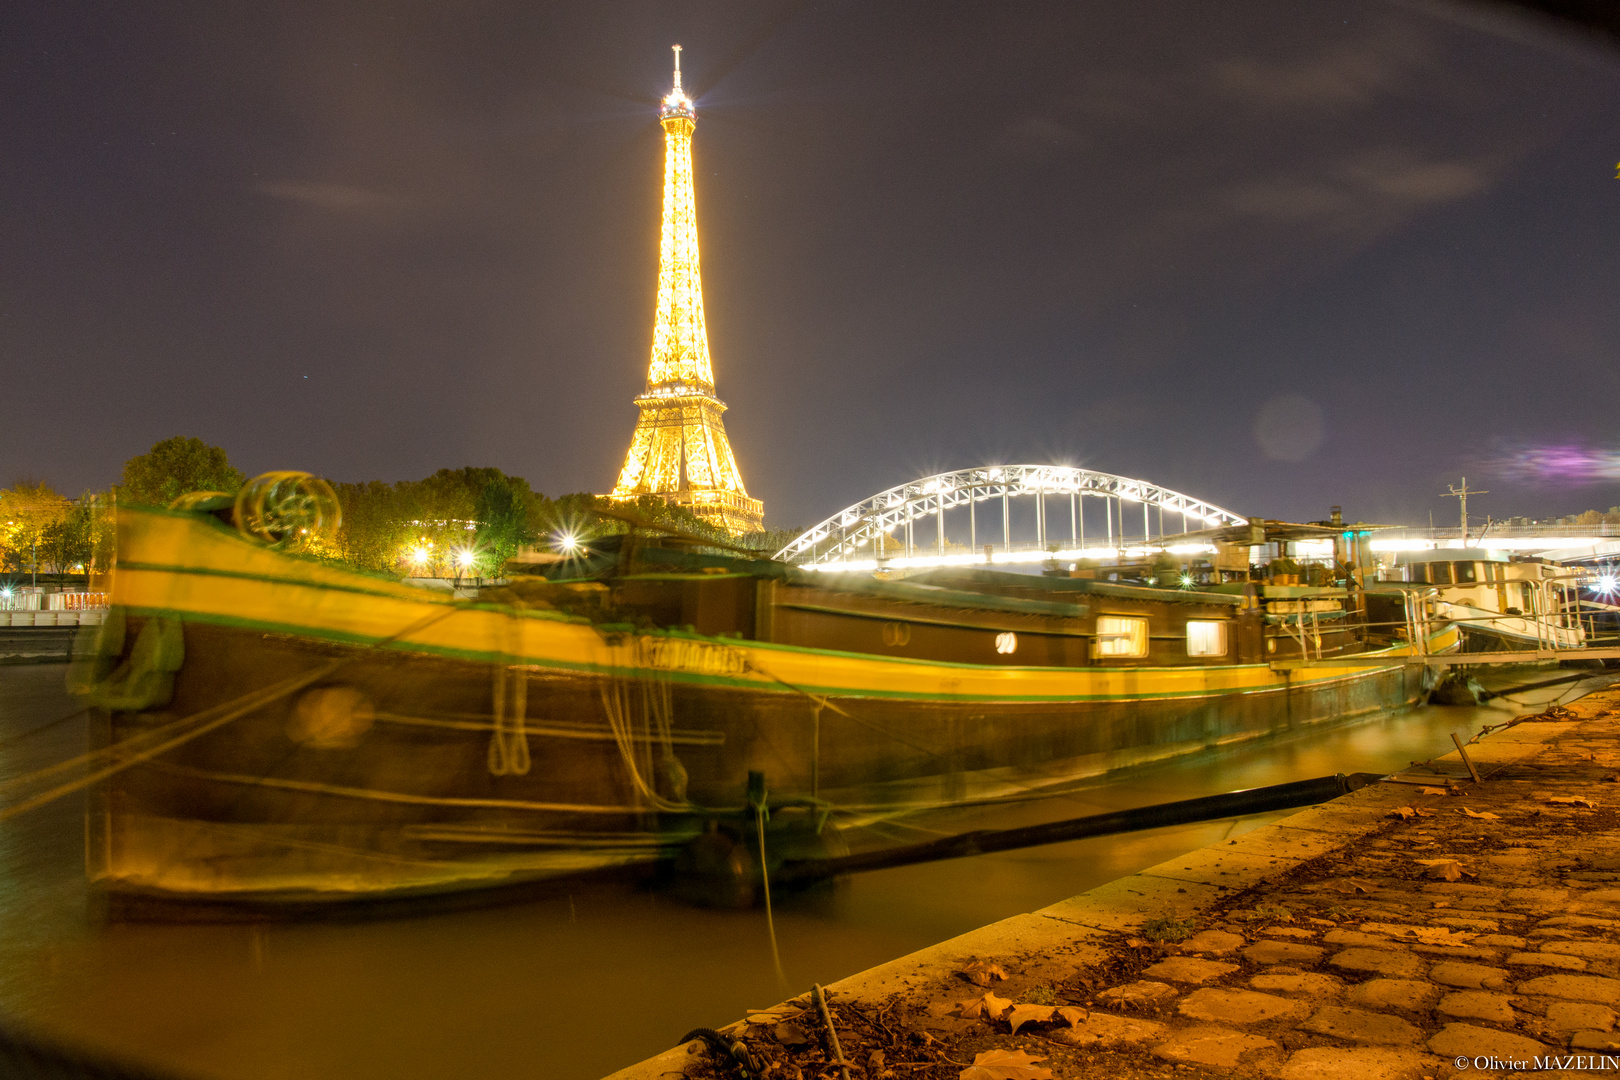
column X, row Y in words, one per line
column 1499, row 602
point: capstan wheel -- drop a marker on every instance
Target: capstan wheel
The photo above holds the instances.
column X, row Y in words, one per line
column 288, row 509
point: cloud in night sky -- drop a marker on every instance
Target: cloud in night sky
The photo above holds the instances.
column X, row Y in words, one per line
column 334, row 198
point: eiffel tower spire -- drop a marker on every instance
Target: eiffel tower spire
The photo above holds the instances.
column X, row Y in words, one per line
column 679, row 450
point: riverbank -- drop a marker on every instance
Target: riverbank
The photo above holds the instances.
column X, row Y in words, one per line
column 1399, row 931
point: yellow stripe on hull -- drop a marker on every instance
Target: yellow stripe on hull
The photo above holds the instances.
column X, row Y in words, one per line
column 190, row 568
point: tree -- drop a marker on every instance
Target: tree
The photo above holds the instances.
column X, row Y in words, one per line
column 174, row 467
column 431, row 526
column 502, row 514
column 30, row 512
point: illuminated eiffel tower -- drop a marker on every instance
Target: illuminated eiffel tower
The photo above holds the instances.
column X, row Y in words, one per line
column 679, row 451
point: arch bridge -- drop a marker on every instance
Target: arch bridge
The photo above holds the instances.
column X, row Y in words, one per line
column 1004, row 514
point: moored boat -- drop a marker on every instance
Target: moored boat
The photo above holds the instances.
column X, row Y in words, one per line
column 287, row 732
column 1498, row 603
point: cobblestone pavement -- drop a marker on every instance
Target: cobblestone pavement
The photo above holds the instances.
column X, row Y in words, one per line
column 1367, row 961
column 1407, row 930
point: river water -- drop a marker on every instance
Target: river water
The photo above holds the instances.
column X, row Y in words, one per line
column 572, row 986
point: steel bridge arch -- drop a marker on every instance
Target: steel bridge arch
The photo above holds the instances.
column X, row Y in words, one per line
column 840, row 537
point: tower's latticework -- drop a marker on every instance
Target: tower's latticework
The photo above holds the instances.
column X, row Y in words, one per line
column 679, row 451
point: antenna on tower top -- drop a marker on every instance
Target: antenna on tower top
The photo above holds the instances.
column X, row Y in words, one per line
column 677, row 49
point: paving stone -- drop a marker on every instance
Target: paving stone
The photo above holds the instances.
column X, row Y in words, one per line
column 1102, row 1029
column 1139, row 993
column 1598, row 896
column 1464, row 889
column 1380, row 961
column 1505, row 941
column 1594, row 1040
column 1359, row 1026
column 1597, row 950
column 1461, row 923
column 1288, row 931
column 1356, row 937
column 1467, row 1040
column 1221, row 1005
column 1578, row 1016
column 1457, row 952
column 1209, row 1045
column 1281, row 952
column 1547, row 959
column 1575, row 988
column 1317, row 986
column 1409, row 994
column 1477, row 1005
column 1189, row 969
column 1469, row 976
column 1218, row 942
column 1579, row 920
column 1357, row 1063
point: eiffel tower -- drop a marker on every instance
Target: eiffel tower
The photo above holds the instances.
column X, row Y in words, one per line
column 679, row 451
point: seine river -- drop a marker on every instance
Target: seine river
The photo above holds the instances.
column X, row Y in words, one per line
column 562, row 988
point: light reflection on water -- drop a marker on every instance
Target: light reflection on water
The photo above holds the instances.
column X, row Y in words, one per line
column 566, row 987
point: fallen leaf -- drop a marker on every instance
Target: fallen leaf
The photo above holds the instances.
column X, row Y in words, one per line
column 1432, row 791
column 981, row 973
column 1573, row 800
column 989, row 1007
column 1403, row 812
column 1443, row 869
column 790, row 1035
column 1484, row 814
column 773, row 1016
column 1422, row 812
column 1135, row 942
column 1025, row 1014
column 1073, row 1015
column 1006, row 1065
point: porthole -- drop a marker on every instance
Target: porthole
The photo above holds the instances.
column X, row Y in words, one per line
column 1006, row 643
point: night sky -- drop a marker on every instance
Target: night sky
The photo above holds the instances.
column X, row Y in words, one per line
column 1275, row 255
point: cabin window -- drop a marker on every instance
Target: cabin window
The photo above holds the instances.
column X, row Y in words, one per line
column 1121, row 636
column 1206, row 637
column 1465, row 572
column 1007, row 643
column 1439, row 573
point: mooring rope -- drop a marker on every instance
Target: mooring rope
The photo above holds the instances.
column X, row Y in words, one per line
column 124, row 757
column 759, row 803
column 509, row 742
column 615, row 694
column 252, row 702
